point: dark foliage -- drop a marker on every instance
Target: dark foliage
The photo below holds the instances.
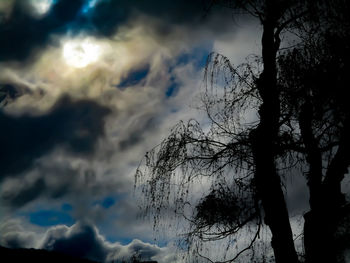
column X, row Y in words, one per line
column 303, row 121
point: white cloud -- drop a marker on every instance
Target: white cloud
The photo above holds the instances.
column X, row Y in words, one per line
column 41, row 7
column 81, row 240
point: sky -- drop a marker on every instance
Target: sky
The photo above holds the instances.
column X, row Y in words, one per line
column 87, row 87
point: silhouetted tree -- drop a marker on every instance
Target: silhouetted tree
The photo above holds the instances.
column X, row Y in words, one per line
column 316, row 74
column 300, row 120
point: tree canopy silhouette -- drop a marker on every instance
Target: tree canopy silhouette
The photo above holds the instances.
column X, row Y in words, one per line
column 316, row 81
column 298, row 93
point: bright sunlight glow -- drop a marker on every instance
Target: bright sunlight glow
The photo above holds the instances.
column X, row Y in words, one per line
column 81, row 53
column 41, row 7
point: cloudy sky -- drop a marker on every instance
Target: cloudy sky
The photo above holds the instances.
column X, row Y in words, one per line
column 87, row 87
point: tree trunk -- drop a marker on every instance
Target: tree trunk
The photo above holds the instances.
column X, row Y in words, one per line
column 326, row 199
column 318, row 238
column 264, row 138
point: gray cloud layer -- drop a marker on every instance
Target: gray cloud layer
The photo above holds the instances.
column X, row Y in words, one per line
column 75, row 125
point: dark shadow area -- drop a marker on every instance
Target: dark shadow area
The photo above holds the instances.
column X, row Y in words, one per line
column 8, row 255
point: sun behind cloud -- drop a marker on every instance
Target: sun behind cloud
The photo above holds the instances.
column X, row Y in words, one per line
column 81, row 53
column 41, row 7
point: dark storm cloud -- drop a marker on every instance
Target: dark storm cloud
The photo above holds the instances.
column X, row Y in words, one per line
column 108, row 14
column 12, row 91
column 16, row 241
column 76, row 125
column 9, row 92
column 22, row 34
column 53, row 181
column 30, row 190
column 13, row 235
column 81, row 241
column 28, row 193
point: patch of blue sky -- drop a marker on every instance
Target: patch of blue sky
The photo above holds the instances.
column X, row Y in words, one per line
column 47, row 218
column 66, row 207
column 134, row 77
column 124, row 241
column 108, row 202
column 89, row 4
column 198, row 56
column 172, row 89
